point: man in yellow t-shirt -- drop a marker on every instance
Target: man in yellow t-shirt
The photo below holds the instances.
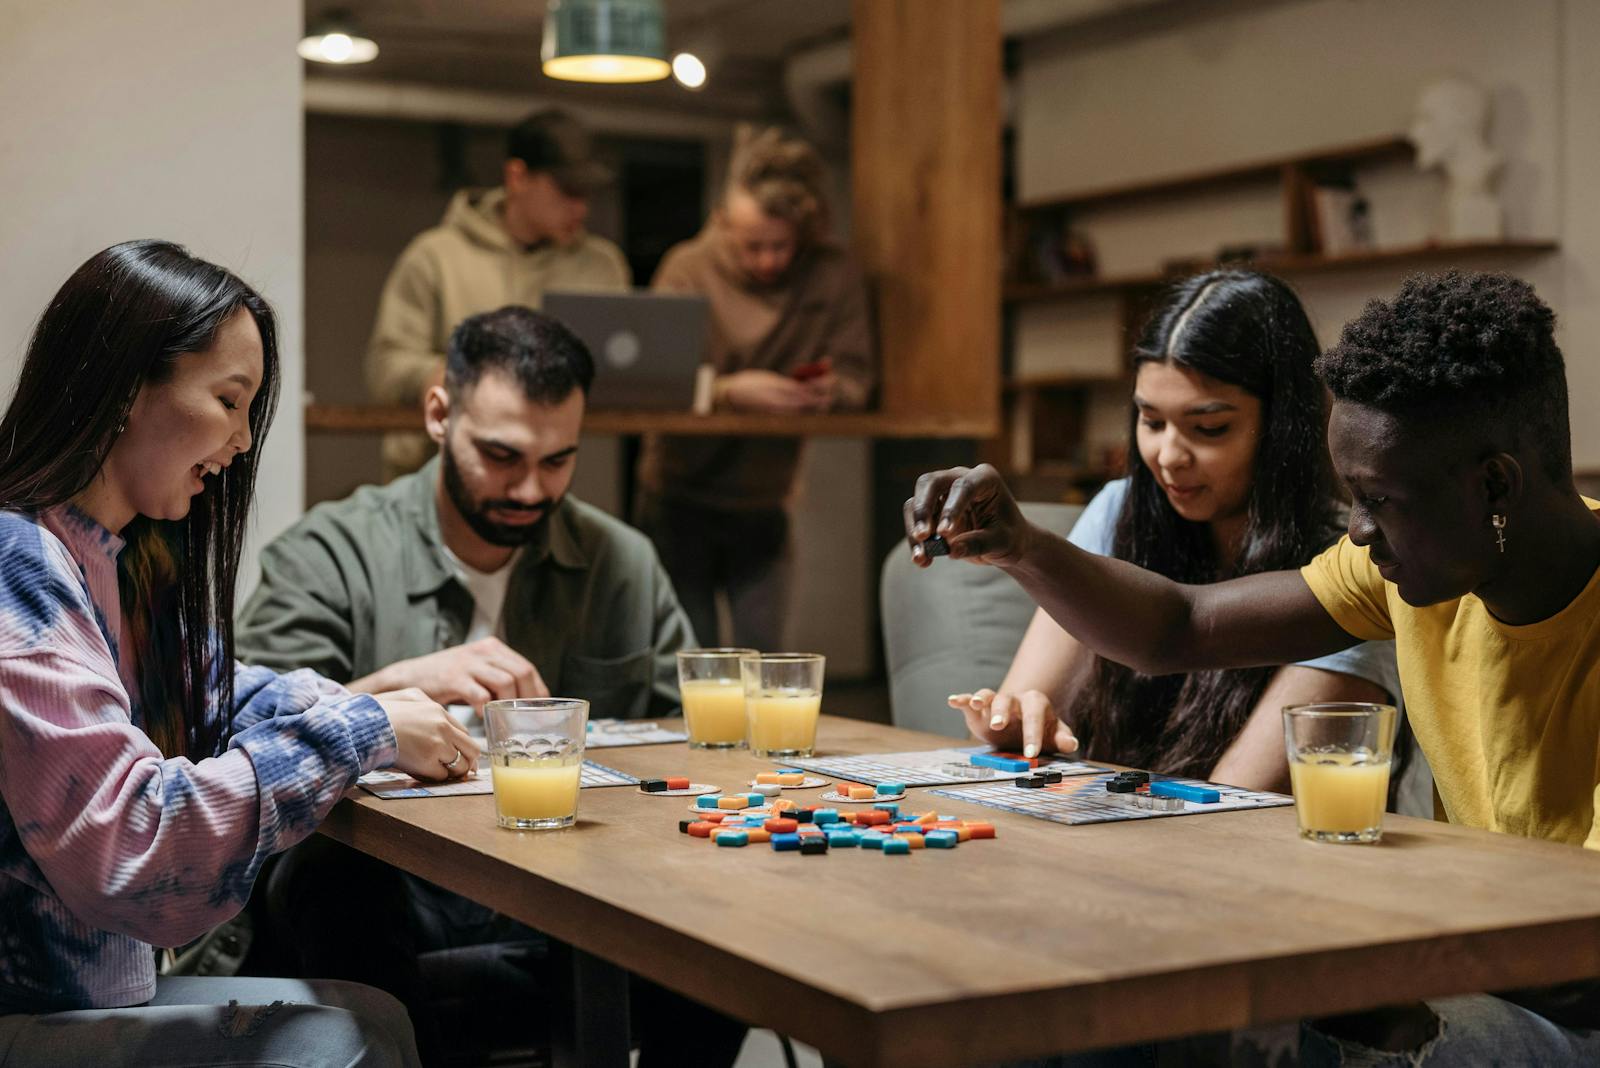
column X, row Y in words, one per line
column 1468, row 544
column 1508, row 714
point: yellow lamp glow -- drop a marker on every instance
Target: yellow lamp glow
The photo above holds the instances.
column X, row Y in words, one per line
column 613, row 69
column 604, row 41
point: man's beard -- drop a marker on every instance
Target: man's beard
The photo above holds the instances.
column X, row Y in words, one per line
column 476, row 513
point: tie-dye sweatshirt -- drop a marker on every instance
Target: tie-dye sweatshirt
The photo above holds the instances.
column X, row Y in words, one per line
column 107, row 847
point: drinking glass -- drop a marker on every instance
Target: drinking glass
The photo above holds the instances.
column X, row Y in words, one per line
column 536, row 760
column 1339, row 758
column 712, row 690
column 783, row 696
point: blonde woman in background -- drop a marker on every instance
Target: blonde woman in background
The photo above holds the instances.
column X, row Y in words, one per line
column 790, row 335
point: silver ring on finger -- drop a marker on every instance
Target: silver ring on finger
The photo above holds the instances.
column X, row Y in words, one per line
column 451, row 765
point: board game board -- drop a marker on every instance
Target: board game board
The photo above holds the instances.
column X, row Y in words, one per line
column 602, row 733
column 609, row 732
column 394, row 784
column 924, row 768
column 1085, row 800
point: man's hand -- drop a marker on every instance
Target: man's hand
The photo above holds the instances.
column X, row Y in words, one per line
column 485, row 670
column 973, row 511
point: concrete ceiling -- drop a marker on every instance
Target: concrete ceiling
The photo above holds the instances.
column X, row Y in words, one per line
column 493, row 45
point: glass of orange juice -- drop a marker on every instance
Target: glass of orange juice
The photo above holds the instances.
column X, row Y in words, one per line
column 1339, row 758
column 783, row 697
column 712, row 690
column 536, row 760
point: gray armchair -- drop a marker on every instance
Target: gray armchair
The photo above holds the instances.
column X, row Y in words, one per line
column 952, row 628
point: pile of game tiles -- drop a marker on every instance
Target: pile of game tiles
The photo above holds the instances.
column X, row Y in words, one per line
column 812, row 830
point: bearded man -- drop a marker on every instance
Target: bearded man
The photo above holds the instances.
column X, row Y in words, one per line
column 475, row 578
column 479, row 577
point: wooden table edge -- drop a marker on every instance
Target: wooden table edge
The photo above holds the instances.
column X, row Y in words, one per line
column 873, row 1031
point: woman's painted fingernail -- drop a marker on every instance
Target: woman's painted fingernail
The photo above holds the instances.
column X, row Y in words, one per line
column 1030, row 750
column 996, row 722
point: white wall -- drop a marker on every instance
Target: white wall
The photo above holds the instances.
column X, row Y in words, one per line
column 177, row 119
column 1259, row 83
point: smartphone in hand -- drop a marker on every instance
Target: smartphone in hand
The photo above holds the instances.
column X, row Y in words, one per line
column 815, row 369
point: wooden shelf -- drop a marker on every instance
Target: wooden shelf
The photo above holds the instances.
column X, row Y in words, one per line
column 1047, row 416
column 1376, row 151
column 1023, row 293
column 371, row 419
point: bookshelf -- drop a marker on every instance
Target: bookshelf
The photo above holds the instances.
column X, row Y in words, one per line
column 1045, row 414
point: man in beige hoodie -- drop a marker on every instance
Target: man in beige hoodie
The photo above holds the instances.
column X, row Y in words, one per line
column 507, row 245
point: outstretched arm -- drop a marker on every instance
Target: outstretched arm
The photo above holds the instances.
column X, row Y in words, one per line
column 1122, row 612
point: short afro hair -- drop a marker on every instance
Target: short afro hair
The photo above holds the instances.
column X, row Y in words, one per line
column 538, row 351
column 1469, row 348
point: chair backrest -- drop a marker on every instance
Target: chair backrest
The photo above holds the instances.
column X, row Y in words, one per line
column 952, row 628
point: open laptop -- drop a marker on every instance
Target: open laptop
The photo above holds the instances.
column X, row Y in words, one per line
column 647, row 347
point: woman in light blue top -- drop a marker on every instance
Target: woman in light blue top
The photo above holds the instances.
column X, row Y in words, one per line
column 1228, row 475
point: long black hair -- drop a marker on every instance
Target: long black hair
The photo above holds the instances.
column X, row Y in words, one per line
column 1247, row 329
column 122, row 320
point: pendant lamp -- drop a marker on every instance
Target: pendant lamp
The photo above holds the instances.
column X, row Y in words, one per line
column 605, row 41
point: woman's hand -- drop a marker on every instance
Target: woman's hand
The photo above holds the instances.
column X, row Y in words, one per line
column 973, row 511
column 431, row 744
column 1025, row 722
column 768, row 392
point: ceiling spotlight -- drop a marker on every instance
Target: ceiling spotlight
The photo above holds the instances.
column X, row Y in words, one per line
column 690, row 72
column 334, row 39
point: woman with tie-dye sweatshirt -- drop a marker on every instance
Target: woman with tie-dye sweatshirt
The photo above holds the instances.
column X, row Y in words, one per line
column 144, row 775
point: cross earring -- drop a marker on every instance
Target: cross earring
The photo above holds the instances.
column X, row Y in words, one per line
column 1498, row 521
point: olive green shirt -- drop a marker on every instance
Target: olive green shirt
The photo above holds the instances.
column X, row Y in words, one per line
column 360, row 583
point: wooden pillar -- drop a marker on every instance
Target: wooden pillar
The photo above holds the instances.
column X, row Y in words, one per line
column 925, row 114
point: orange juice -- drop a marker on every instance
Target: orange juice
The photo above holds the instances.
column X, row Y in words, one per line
column 714, row 712
column 1340, row 796
column 784, row 722
column 532, row 793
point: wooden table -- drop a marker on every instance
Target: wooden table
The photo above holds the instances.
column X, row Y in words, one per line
column 1049, row 938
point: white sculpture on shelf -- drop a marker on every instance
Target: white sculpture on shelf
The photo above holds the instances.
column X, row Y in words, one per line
column 1448, row 132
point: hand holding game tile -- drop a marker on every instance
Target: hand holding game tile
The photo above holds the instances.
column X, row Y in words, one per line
column 973, row 511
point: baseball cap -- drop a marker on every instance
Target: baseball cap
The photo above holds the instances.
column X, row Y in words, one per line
column 554, row 142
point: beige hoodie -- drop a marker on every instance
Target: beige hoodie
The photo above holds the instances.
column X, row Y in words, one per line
column 465, row 265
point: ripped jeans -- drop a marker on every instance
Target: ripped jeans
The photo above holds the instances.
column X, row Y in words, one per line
column 1476, row 1029
column 211, row 1021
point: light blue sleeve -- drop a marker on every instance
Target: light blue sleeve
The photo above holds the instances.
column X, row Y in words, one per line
column 1095, row 531
column 1373, row 661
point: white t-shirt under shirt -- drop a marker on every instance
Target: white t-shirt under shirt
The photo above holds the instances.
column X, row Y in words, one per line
column 488, row 589
column 1095, row 532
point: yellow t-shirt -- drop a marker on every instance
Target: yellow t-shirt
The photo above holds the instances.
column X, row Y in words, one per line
column 1509, row 717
